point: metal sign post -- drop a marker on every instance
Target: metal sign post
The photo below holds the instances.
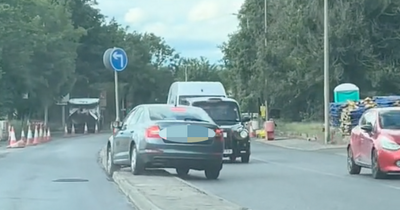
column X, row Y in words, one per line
column 115, row 59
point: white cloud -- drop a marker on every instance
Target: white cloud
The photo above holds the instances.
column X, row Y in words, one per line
column 134, row 15
column 205, row 10
column 189, row 20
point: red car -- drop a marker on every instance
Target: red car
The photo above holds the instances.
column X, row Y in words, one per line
column 375, row 143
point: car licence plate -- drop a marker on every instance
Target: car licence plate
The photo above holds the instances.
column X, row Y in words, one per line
column 225, row 135
column 227, row 151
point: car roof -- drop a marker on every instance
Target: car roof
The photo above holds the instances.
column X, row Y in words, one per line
column 384, row 109
column 200, row 88
column 165, row 105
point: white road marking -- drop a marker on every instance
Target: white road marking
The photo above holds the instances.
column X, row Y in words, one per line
column 340, row 176
column 341, row 154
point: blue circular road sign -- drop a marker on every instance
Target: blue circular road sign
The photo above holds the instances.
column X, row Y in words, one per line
column 118, row 59
column 106, row 59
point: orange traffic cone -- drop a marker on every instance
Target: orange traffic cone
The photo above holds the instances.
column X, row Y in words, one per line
column 251, row 131
column 13, row 142
column 72, row 129
column 48, row 134
column 23, row 138
column 11, row 137
column 85, row 131
column 29, row 141
column 44, row 137
column 65, row 130
column 96, row 128
column 36, row 136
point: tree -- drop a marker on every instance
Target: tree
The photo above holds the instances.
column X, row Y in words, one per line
column 197, row 69
column 288, row 71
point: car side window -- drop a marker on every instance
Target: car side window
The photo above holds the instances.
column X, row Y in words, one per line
column 135, row 117
column 368, row 117
column 129, row 116
column 144, row 117
column 362, row 120
column 371, row 118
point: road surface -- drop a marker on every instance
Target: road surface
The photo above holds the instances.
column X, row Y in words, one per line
column 31, row 178
column 282, row 179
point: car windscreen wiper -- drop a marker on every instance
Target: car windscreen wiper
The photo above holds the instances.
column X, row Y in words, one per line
column 195, row 119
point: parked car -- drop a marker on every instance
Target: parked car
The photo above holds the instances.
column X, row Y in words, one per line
column 138, row 144
column 375, row 143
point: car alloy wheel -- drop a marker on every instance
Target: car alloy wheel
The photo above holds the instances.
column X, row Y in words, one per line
column 133, row 159
column 109, row 161
column 110, row 166
column 375, row 168
column 136, row 167
column 352, row 167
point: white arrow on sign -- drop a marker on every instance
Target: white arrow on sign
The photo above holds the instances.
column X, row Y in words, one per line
column 117, row 56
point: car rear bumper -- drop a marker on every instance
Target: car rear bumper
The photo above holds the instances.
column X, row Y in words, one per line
column 389, row 161
column 162, row 159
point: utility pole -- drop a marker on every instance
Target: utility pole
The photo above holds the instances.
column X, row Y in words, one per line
column 265, row 45
column 265, row 22
column 326, row 73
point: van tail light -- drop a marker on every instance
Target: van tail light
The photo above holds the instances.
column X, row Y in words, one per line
column 219, row 134
column 153, row 132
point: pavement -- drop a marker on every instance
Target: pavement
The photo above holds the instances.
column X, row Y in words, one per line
column 160, row 190
column 286, row 179
column 300, row 144
column 63, row 174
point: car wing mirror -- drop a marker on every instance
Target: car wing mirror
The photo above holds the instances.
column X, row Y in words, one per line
column 367, row 127
column 245, row 119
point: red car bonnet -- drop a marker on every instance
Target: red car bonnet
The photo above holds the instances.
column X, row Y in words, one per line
column 392, row 134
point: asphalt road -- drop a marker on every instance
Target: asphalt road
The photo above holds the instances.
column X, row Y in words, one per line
column 28, row 177
column 282, row 179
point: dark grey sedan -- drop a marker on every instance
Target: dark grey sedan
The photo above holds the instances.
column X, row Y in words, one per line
column 153, row 136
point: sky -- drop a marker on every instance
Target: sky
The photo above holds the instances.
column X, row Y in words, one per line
column 193, row 27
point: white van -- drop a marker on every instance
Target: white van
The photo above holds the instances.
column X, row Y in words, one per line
column 180, row 91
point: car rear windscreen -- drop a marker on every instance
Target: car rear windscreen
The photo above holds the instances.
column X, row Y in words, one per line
column 221, row 110
column 178, row 113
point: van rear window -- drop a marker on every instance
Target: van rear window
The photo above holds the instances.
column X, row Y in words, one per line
column 177, row 113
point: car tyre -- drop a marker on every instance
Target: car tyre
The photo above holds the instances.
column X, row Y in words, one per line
column 137, row 167
column 110, row 166
column 375, row 168
column 212, row 173
column 352, row 167
column 182, row 172
column 245, row 158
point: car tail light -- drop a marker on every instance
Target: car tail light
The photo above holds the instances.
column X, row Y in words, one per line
column 219, row 134
column 153, row 132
